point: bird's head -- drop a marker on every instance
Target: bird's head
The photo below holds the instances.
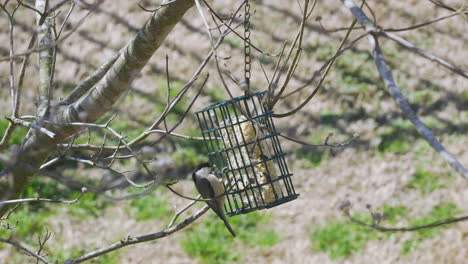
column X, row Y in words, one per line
column 202, row 170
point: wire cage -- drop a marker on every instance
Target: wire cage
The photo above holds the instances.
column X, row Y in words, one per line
column 244, row 150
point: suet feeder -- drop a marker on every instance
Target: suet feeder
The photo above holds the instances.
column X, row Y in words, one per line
column 245, row 152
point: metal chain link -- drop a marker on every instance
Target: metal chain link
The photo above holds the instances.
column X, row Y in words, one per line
column 247, row 58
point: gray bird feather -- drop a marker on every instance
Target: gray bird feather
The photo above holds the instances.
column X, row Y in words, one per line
column 209, row 187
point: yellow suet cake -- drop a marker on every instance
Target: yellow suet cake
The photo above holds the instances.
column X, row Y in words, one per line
column 242, row 139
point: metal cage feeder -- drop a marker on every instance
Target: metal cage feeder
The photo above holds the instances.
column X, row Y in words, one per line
column 244, row 150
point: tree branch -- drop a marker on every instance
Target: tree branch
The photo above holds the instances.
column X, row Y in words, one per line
column 26, row 200
column 25, row 249
column 411, row 47
column 134, row 240
column 394, row 90
column 44, row 40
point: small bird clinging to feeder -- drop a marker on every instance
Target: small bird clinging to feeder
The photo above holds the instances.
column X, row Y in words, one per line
column 210, row 187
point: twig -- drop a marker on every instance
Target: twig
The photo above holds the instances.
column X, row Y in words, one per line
column 25, row 249
column 168, row 108
column 67, row 16
column 232, row 29
column 27, row 200
column 318, row 72
column 410, row 46
column 322, row 79
column 134, row 240
column 178, row 213
column 7, row 216
column 16, row 94
column 325, row 143
column 298, row 39
column 422, row 24
column 21, row 122
column 53, row 43
column 42, row 242
column 378, row 217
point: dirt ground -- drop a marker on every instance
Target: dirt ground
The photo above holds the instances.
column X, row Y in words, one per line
column 359, row 173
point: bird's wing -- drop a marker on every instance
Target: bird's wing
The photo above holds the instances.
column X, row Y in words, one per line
column 204, row 188
column 211, row 187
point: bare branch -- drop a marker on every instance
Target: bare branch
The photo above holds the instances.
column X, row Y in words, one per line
column 394, row 90
column 377, row 217
column 24, row 123
column 42, row 242
column 27, row 200
column 44, row 39
column 295, row 61
column 322, row 79
column 52, row 44
column 410, row 46
column 399, row 98
column 7, row 216
column 325, row 143
column 25, row 249
column 422, row 24
column 178, row 213
column 134, row 240
column 318, row 72
column 16, row 94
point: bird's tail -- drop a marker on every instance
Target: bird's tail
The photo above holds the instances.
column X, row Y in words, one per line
column 221, row 215
column 229, row 227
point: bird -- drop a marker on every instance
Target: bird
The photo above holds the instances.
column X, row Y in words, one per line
column 210, row 187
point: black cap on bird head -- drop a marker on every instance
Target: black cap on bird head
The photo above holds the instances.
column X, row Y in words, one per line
column 200, row 166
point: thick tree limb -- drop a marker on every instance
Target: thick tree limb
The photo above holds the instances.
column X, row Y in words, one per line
column 37, row 146
column 90, row 81
column 44, row 39
column 394, row 90
column 408, row 111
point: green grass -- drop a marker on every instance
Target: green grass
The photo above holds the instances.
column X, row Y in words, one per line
column 423, row 97
column 151, row 206
column 440, row 212
column 398, row 139
column 30, row 222
column 342, row 238
column 313, row 156
column 211, row 242
column 32, row 217
column 216, row 94
column 393, row 213
column 425, row 181
column 233, row 41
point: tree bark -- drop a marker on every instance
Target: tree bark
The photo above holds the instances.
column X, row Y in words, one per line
column 36, row 146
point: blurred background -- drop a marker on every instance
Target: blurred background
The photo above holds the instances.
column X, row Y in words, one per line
column 389, row 167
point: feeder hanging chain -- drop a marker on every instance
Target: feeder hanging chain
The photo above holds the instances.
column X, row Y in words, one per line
column 247, row 59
